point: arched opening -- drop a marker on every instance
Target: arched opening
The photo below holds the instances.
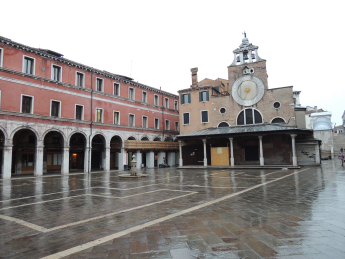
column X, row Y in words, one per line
column 223, row 125
column 77, row 152
column 130, row 154
column 53, row 144
column 131, row 138
column 251, row 148
column 168, row 139
column 2, row 140
column 249, row 116
column 157, row 139
column 115, row 150
column 144, row 139
column 98, row 152
column 23, row 153
column 144, row 153
column 156, row 153
column 278, row 120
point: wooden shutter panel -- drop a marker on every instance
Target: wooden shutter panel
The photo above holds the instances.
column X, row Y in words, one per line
column 200, row 96
column 182, row 99
column 189, row 99
column 207, row 96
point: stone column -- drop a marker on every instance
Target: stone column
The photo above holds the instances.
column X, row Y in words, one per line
column 171, row 158
column 241, row 58
column 150, row 159
column 65, row 160
column 232, row 160
column 106, row 162
column 6, row 161
column 261, row 152
column 160, row 159
column 122, row 159
column 139, row 158
column 38, row 171
column 205, row 156
column 317, row 154
column 294, row 158
column 87, row 159
column 180, row 149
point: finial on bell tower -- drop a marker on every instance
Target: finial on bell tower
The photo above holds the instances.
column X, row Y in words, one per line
column 244, row 33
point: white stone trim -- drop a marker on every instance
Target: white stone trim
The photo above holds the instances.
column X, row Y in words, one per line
column 154, row 121
column 129, row 90
column 102, row 90
column 76, row 79
column 21, row 102
column 52, row 72
column 147, row 122
column 75, row 111
column 176, row 127
column 129, row 114
column 245, row 123
column 260, row 90
column 223, row 122
column 175, row 105
column 50, row 111
column 118, row 119
column 1, row 57
column 102, row 119
column 144, row 101
column 154, row 98
column 165, row 102
column 79, row 94
column 208, row 120
column 279, row 118
column 165, row 125
column 183, row 118
column 34, row 65
column 114, row 88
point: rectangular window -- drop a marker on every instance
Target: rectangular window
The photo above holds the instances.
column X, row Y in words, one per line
column 204, row 116
column 79, row 112
column 131, row 120
column 55, row 108
column 1, row 56
column 156, row 100
column 185, row 98
column 176, row 125
column 203, row 96
column 27, row 104
column 175, row 105
column 167, row 125
column 144, row 97
column 29, row 65
column 99, row 84
column 185, row 118
column 131, row 94
column 79, row 81
column 144, row 122
column 117, row 118
column 56, row 73
column 116, row 89
column 166, row 103
column 99, row 115
column 156, row 123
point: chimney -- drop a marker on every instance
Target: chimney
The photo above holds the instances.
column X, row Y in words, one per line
column 315, row 108
column 194, row 77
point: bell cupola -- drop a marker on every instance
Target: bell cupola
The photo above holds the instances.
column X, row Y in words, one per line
column 246, row 53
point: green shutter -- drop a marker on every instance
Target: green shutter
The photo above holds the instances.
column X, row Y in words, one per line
column 200, row 96
column 189, row 99
column 207, row 96
column 182, row 99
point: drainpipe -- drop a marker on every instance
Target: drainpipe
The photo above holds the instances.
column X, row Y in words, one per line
column 90, row 144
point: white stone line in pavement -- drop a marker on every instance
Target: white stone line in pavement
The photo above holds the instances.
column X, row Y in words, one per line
column 114, row 197
column 39, row 202
column 114, row 188
column 24, row 223
column 203, row 186
column 118, row 212
column 102, row 240
column 140, row 181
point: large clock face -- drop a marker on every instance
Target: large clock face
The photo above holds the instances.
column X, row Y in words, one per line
column 248, row 90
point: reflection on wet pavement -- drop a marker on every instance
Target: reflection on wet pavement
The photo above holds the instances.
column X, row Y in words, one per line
column 176, row 213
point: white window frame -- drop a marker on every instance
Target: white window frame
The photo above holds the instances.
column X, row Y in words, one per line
column 1, row 57
column 203, row 95
column 155, row 123
column 76, row 79
column 176, row 105
column 144, row 101
column 75, row 111
column 119, row 88
column 102, row 119
column 147, row 122
column 278, row 117
column 244, row 114
column 129, row 90
column 183, row 118
column 21, row 102
column 208, row 119
column 165, row 125
column 117, row 118
column 133, row 119
column 176, row 126
column 154, row 99
column 102, row 90
column 52, row 72
column 51, row 105
column 165, row 102
column 34, row 65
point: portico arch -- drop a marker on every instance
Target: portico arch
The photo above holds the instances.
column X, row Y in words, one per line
column 2, row 141
column 77, row 144
column 98, row 156
column 53, row 155
column 115, row 150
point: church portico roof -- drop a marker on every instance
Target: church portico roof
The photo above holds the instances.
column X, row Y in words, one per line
column 260, row 129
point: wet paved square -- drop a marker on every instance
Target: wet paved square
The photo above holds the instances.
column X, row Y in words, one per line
column 176, row 213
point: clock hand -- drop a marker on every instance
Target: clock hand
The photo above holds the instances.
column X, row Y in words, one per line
column 247, row 90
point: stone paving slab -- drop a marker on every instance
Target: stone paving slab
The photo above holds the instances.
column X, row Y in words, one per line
column 176, row 213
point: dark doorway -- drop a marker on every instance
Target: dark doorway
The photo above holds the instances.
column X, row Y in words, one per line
column 77, row 151
column 115, row 150
column 252, row 150
column 53, row 143
column 98, row 145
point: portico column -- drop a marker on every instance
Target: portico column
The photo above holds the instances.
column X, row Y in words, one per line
column 65, row 160
column 294, row 158
column 180, row 149
column 317, row 154
column 107, row 159
column 232, row 160
column 261, row 152
column 39, row 159
column 87, row 159
column 205, row 157
column 139, row 158
column 121, row 159
column 7, row 161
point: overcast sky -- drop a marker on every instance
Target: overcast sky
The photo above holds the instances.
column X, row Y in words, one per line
column 157, row 42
